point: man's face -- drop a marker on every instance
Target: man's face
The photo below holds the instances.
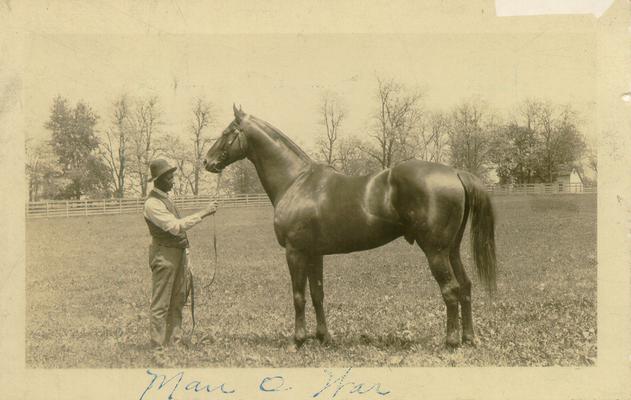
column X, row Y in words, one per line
column 167, row 181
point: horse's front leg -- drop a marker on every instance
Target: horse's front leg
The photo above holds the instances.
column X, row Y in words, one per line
column 317, row 297
column 298, row 262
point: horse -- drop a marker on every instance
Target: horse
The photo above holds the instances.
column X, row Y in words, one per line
column 319, row 211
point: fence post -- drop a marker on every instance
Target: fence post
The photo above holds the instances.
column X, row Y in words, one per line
column 67, row 208
column 47, row 209
column 136, row 205
column 85, row 206
column 120, row 205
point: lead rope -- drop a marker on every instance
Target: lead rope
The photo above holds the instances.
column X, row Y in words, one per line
column 212, row 279
column 191, row 290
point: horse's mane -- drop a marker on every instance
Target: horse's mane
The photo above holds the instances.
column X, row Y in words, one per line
column 275, row 133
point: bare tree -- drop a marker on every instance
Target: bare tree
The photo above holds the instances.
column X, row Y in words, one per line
column 202, row 118
column 435, row 145
column 351, row 159
column 173, row 149
column 471, row 130
column 144, row 124
column 114, row 147
column 331, row 116
column 397, row 118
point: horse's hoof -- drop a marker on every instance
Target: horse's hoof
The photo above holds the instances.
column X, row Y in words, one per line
column 470, row 340
column 295, row 345
column 325, row 339
column 452, row 342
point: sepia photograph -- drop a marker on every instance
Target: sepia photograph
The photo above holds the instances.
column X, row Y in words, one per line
column 326, row 201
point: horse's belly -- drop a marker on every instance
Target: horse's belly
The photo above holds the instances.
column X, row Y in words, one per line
column 344, row 235
column 347, row 235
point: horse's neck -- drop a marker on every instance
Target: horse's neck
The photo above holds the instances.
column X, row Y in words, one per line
column 277, row 165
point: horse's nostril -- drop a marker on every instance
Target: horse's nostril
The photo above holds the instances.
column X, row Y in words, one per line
column 204, row 162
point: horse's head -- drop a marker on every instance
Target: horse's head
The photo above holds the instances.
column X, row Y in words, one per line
column 230, row 147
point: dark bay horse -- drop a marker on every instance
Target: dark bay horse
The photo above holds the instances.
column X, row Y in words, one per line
column 318, row 211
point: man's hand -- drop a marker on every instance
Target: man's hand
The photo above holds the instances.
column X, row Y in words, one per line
column 211, row 208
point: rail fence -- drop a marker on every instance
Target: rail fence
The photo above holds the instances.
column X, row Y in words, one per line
column 541, row 188
column 70, row 208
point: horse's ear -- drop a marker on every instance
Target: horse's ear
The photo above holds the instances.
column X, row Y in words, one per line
column 237, row 113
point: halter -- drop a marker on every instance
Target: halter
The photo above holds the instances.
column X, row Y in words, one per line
column 224, row 153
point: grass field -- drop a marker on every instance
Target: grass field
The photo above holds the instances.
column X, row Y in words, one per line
column 88, row 289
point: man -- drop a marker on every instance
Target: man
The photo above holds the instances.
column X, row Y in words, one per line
column 168, row 255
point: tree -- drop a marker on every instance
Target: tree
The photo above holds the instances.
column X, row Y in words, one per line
column 74, row 141
column 202, row 119
column 144, row 126
column 96, row 178
column 592, row 158
column 396, row 122
column 42, row 170
column 114, row 147
column 436, row 142
column 331, row 116
column 351, row 159
column 242, row 178
column 173, row 149
column 471, row 128
column 539, row 141
column 514, row 153
column 554, row 132
column 561, row 144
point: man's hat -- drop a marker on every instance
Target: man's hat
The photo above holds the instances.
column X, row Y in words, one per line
column 159, row 167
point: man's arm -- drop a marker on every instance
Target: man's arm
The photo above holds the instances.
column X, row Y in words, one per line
column 157, row 212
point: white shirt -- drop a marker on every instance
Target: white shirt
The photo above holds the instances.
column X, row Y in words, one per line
column 156, row 211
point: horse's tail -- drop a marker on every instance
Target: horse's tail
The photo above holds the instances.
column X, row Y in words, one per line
column 482, row 229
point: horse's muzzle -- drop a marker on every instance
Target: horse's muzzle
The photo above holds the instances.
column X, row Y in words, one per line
column 214, row 167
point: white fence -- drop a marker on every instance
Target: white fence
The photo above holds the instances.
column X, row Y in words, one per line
column 541, row 188
column 69, row 208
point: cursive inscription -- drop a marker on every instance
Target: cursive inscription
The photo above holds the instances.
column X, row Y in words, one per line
column 171, row 385
column 179, row 387
column 341, row 384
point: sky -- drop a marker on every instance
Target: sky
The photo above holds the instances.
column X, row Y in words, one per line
column 281, row 77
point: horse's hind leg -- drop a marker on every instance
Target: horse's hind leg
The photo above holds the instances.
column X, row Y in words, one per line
column 317, row 297
column 468, row 335
column 297, row 262
column 450, row 289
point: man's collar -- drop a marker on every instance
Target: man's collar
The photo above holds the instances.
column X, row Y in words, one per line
column 160, row 192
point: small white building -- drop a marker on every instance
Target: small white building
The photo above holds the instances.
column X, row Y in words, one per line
column 570, row 179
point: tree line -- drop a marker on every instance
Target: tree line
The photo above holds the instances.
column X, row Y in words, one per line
column 539, row 140
column 535, row 144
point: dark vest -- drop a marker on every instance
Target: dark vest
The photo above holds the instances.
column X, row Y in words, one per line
column 162, row 237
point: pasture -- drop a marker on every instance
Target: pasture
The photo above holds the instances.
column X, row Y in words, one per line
column 88, row 290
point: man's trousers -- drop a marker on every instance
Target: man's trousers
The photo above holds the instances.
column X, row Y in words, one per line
column 169, row 271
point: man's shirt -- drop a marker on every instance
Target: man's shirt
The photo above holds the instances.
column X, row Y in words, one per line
column 157, row 212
